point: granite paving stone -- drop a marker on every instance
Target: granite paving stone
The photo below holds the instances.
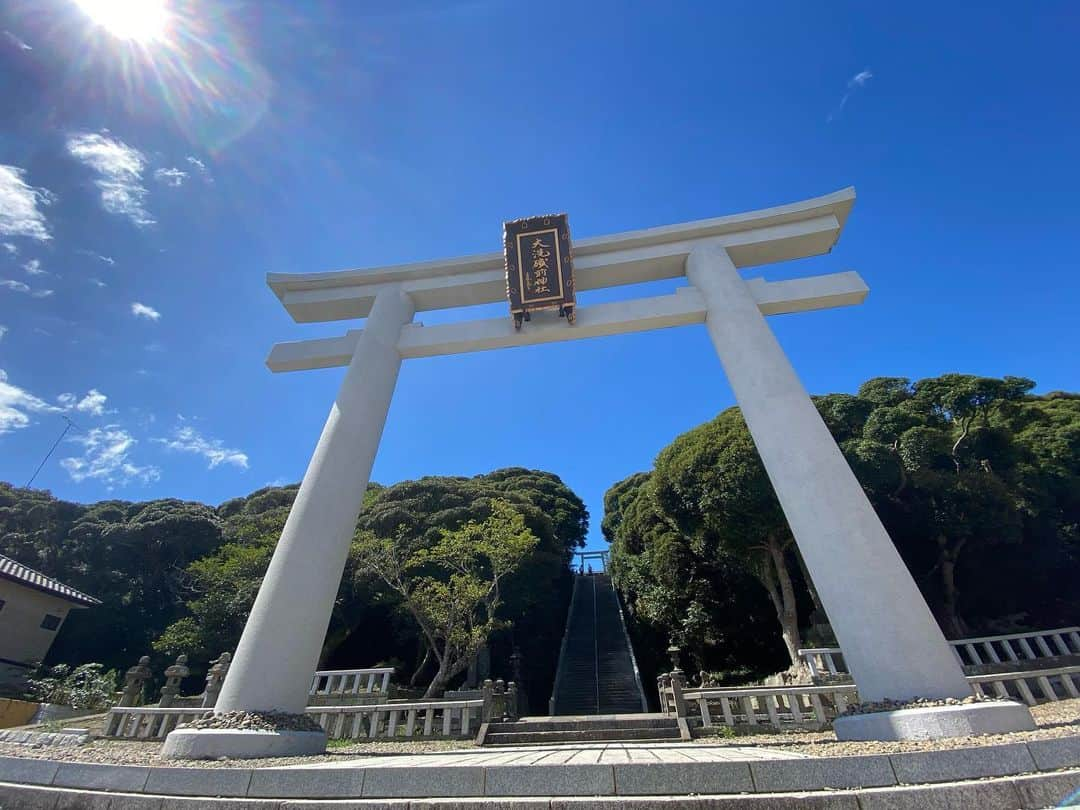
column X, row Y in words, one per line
column 998, row 795
column 961, row 763
column 198, row 781
column 587, row 757
column 1054, row 754
column 549, row 780
column 28, row 771
column 134, row 801
column 818, row 774
column 674, row 778
column 359, row 804
column 119, row 778
column 380, row 783
column 181, row 803
column 481, row 804
column 81, row 800
column 829, row 801
column 1047, row 789
column 312, row 783
column 27, row 797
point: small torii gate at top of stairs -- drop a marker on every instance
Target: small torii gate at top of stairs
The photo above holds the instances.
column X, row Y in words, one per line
column 586, row 562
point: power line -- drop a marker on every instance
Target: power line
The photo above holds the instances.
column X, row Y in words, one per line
column 59, row 438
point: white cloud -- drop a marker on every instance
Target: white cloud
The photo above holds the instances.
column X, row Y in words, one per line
column 17, row 403
column 93, row 403
column 187, row 439
column 106, row 259
column 19, row 287
column 107, row 458
column 143, row 311
column 11, row 249
column 170, row 177
column 33, row 267
column 120, row 169
column 20, row 212
column 3, row 331
column 97, row 282
column 856, row 82
column 18, row 43
column 860, row 78
column 198, row 164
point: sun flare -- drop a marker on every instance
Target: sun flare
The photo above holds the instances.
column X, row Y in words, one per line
column 134, row 20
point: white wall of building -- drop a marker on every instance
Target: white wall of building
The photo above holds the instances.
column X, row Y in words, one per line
column 23, row 639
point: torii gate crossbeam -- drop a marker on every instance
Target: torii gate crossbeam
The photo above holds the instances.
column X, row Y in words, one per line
column 893, row 646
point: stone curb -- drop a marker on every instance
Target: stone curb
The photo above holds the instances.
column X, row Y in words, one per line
column 621, row 779
column 1032, row 792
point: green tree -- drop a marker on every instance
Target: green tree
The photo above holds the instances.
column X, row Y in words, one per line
column 712, row 485
column 452, row 588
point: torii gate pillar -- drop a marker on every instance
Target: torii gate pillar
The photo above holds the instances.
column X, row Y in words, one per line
column 855, row 567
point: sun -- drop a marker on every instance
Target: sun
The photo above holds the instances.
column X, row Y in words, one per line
column 134, row 20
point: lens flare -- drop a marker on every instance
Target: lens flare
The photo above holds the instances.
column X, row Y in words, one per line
column 192, row 60
column 136, row 20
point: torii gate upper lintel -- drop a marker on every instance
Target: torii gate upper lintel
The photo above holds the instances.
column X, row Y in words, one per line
column 891, row 642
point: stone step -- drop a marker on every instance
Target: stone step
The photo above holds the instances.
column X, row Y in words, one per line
column 582, row 735
column 622, row 722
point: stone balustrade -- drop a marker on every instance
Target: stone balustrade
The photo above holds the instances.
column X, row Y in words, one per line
column 971, row 652
column 813, row 706
column 148, row 722
column 1023, row 684
column 1018, row 646
column 343, row 682
column 435, row 718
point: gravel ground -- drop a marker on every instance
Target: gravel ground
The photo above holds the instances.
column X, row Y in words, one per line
column 1061, row 719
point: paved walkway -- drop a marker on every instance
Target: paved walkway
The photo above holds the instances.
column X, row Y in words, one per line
column 568, row 754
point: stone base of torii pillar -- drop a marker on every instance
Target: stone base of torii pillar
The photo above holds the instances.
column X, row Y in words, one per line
column 891, row 642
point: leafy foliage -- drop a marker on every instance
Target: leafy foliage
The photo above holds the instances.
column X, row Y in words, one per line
column 181, row 577
column 452, row 588
column 976, row 480
column 87, row 686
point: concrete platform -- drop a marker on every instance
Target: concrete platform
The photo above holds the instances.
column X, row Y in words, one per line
column 1036, row 774
column 1035, row 792
column 212, row 743
column 936, row 722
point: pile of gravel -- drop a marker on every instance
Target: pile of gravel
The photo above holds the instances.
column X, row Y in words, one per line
column 255, row 721
column 869, row 707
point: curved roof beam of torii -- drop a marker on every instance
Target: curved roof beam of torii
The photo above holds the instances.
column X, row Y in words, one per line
column 794, row 231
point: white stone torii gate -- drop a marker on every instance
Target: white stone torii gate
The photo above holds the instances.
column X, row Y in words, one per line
column 891, row 642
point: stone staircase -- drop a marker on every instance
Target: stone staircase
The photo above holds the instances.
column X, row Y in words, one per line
column 583, row 729
column 597, row 674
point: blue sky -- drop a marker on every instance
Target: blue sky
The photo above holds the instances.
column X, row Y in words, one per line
column 148, row 188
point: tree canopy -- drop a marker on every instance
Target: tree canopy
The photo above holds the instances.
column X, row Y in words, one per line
column 181, row 577
column 976, row 480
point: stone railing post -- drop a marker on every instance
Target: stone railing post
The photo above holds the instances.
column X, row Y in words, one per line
column 215, row 677
column 173, row 676
column 134, row 681
column 500, row 701
column 663, row 684
column 678, row 683
column 487, row 694
column 512, row 698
